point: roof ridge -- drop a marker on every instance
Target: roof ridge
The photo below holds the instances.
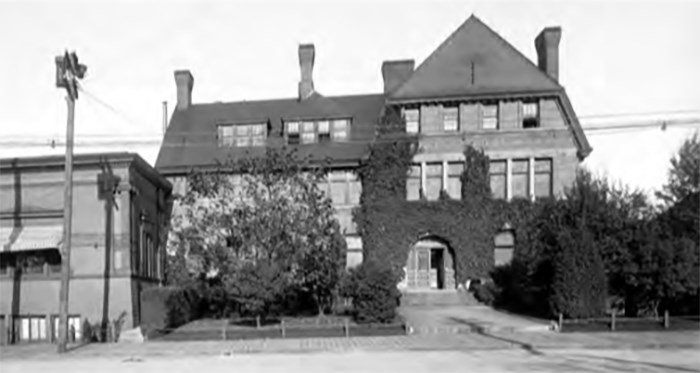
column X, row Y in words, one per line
column 354, row 95
column 432, row 55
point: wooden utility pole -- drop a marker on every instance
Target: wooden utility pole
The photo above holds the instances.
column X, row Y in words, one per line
column 68, row 71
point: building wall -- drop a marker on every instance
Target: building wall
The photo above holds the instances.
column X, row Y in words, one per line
column 101, row 244
column 553, row 139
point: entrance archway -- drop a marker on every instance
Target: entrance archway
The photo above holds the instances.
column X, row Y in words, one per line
column 430, row 265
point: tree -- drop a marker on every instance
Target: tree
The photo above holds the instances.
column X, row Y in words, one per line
column 579, row 287
column 261, row 214
column 684, row 174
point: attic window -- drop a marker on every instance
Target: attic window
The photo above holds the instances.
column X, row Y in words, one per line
column 312, row 131
column 242, row 135
column 530, row 115
column 340, row 129
column 292, row 132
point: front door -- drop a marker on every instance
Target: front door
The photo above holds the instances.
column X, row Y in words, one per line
column 423, row 268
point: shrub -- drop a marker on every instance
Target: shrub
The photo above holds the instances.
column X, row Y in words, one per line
column 579, row 289
column 372, row 288
column 486, row 293
column 164, row 308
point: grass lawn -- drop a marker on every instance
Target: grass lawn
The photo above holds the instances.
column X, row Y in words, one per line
column 632, row 324
column 285, row 327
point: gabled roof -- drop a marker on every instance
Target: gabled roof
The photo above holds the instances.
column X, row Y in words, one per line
column 497, row 67
column 190, row 140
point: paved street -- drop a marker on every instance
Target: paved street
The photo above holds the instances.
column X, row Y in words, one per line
column 494, row 352
column 509, row 360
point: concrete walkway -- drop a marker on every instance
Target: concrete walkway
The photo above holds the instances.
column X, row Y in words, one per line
column 450, row 319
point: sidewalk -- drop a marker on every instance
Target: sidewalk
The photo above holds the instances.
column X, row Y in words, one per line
column 447, row 342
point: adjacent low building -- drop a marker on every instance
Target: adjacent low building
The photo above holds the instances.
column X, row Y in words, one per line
column 120, row 209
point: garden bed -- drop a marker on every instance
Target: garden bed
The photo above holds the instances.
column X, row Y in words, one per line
column 306, row 327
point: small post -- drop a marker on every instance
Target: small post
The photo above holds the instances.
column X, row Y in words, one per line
column 284, row 332
column 667, row 322
column 223, row 329
column 612, row 322
column 561, row 321
column 346, row 326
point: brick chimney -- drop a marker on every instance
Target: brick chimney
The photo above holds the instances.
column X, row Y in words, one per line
column 184, row 82
column 306, row 63
column 395, row 73
column 547, row 45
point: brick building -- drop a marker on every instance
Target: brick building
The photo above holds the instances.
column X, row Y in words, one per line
column 120, row 206
column 475, row 88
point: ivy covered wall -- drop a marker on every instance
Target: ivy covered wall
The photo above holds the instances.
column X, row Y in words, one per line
column 389, row 224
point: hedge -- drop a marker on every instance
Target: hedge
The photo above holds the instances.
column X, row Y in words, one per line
column 372, row 288
column 166, row 308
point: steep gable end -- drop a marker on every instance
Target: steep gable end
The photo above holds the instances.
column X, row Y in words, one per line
column 474, row 60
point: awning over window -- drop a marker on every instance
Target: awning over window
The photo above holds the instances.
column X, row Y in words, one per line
column 30, row 237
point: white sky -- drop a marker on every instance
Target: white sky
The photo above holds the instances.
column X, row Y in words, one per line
column 615, row 57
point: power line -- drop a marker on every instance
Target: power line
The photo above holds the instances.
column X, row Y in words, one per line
column 211, row 141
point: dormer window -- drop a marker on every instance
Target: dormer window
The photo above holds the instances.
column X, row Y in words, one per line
column 312, row 131
column 324, row 131
column 531, row 118
column 308, row 133
column 340, row 129
column 293, row 133
column 242, row 135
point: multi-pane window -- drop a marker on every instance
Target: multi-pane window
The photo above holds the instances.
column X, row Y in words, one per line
column 31, row 328
column 520, row 178
column 412, row 118
column 505, row 243
column 308, row 132
column 344, row 187
column 450, row 119
column 543, row 178
column 413, row 183
column 433, row 180
column 497, row 178
column 340, row 129
column 242, row 135
column 293, row 132
column 226, row 137
column 530, row 115
column 324, row 131
column 454, row 185
column 75, row 328
column 489, row 117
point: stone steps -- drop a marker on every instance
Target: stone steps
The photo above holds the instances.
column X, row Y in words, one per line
column 437, row 297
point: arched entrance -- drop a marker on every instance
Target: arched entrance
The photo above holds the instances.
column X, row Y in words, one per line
column 430, row 265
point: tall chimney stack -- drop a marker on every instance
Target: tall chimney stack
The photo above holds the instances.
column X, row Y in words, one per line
column 184, row 82
column 395, row 73
column 547, row 45
column 306, row 63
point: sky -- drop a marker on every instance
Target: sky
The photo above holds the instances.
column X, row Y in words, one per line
column 621, row 62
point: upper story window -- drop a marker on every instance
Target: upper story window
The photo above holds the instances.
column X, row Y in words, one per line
column 450, row 119
column 497, row 178
column 489, row 117
column 311, row 131
column 412, row 118
column 530, row 115
column 543, row 178
column 242, row 135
